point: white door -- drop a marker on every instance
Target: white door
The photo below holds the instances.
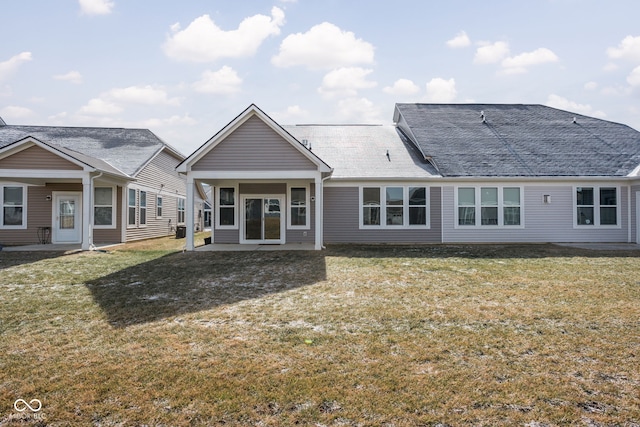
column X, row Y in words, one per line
column 262, row 220
column 67, row 218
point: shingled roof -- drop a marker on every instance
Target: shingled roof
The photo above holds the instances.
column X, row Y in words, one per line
column 364, row 151
column 127, row 150
column 518, row 140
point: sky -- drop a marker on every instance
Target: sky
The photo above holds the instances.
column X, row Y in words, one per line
column 185, row 69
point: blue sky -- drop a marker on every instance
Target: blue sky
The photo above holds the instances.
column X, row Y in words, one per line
column 185, row 69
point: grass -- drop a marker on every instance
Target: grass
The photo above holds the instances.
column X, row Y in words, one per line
column 534, row 335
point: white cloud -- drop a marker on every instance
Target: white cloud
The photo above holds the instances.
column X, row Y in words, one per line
column 519, row 63
column 345, row 82
column 225, row 81
column 561, row 103
column 591, row 86
column 100, row 107
column 204, row 41
column 629, row 49
column 291, row 113
column 402, row 87
column 634, row 78
column 96, row 7
column 460, row 40
column 441, row 90
column 11, row 65
column 491, row 53
column 358, row 110
column 146, row 95
column 610, row 67
column 71, row 77
column 15, row 112
column 323, row 46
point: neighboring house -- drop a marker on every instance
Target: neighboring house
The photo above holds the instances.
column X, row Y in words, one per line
column 442, row 173
column 88, row 186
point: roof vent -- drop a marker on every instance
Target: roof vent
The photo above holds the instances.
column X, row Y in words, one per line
column 574, row 120
column 482, row 115
column 305, row 142
column 2, row 123
column 388, row 156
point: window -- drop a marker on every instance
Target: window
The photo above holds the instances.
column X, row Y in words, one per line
column 103, row 207
column 181, row 211
column 596, row 206
column 394, row 207
column 131, row 211
column 143, row 208
column 497, row 206
column 14, row 212
column 159, row 207
column 227, row 206
column 298, row 207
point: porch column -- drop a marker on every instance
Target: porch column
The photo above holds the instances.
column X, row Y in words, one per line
column 190, row 212
column 87, row 232
column 319, row 219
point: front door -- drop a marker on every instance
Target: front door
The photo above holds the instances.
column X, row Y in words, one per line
column 67, row 218
column 263, row 220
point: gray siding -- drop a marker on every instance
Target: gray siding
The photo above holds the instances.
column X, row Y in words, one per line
column 162, row 170
column 341, row 221
column 254, row 146
column 35, row 157
column 542, row 223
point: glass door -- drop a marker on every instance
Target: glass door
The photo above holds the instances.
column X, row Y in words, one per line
column 263, row 222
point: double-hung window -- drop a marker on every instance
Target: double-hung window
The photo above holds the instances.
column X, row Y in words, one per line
column 298, row 203
column 227, row 207
column 13, row 202
column 393, row 207
column 181, row 211
column 596, row 206
column 131, row 207
column 143, row 208
column 489, row 206
column 103, row 207
column 158, row 207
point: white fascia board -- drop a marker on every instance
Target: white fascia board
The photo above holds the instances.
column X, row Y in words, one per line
column 249, row 175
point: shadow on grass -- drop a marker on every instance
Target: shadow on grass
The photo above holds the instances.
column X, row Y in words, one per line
column 12, row 259
column 182, row 283
column 471, row 251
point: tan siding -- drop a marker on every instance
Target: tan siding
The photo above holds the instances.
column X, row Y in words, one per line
column 36, row 158
column 254, row 146
column 111, row 235
column 279, row 188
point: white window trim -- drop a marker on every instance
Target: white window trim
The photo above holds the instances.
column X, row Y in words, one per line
column 307, row 225
column 145, row 207
column 178, row 199
column 114, row 215
column 159, row 205
column 478, row 207
column 24, row 208
column 405, row 205
column 135, row 206
column 236, row 199
column 596, row 208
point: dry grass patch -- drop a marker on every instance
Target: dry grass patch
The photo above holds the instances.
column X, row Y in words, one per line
column 451, row 335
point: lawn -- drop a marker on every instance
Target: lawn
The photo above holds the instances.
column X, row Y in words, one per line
column 144, row 334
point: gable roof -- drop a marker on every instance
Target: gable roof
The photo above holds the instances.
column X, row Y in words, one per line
column 113, row 150
column 360, row 151
column 249, row 112
column 518, row 140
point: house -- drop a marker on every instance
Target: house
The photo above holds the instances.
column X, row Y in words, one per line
column 87, row 186
column 442, row 173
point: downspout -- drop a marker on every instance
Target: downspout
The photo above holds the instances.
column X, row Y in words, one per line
column 92, row 247
column 629, row 219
